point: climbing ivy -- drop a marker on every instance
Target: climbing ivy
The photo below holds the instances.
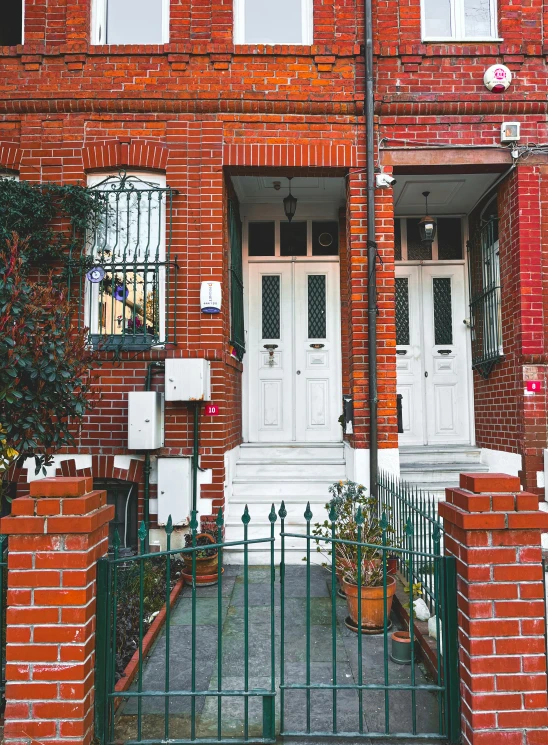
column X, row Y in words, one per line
column 51, row 218
column 45, row 362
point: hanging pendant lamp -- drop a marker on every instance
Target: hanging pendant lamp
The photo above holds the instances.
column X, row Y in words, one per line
column 427, row 226
column 290, row 203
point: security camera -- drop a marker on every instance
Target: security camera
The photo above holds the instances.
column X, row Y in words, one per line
column 385, row 181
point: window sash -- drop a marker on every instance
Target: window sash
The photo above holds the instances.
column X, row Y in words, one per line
column 458, row 23
column 307, row 25
column 99, row 22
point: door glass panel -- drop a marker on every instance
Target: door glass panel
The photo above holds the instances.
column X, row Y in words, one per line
column 416, row 249
column 397, row 240
column 437, row 17
column 443, row 315
column 402, row 311
column 293, row 240
column 261, row 238
column 271, row 306
column 325, row 239
column 449, row 238
column 316, row 306
column 477, row 18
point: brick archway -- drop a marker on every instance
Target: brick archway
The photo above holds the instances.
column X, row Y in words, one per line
column 137, row 154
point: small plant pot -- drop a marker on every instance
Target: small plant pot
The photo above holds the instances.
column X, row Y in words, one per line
column 372, row 603
column 207, row 567
column 392, row 565
column 401, row 648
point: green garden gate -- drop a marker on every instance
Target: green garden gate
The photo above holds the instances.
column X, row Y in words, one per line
column 266, row 653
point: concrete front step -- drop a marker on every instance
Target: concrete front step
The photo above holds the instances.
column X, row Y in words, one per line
column 281, row 488
column 253, row 453
column 283, row 469
column 426, row 454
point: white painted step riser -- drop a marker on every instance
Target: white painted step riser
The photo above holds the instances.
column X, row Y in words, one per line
column 260, row 522
column 447, row 456
column 441, row 478
column 317, row 501
column 317, row 490
column 287, row 471
column 290, row 454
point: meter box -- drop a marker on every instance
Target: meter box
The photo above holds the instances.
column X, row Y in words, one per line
column 174, row 488
column 188, row 380
column 145, row 420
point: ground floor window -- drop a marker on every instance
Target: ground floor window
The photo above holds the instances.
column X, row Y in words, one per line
column 485, row 293
column 123, row 496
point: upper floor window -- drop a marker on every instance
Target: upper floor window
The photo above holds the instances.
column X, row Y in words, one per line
column 459, row 20
column 11, row 23
column 273, row 22
column 131, row 22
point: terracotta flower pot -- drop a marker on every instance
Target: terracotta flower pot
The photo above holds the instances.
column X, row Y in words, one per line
column 392, row 565
column 372, row 603
column 206, row 566
column 401, row 647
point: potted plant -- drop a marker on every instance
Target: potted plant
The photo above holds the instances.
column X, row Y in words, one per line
column 207, row 559
column 347, row 498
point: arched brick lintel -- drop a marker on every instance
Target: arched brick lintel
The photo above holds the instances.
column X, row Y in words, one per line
column 10, row 156
column 296, row 156
column 137, row 154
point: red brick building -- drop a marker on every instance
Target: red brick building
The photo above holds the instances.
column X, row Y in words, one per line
column 195, row 116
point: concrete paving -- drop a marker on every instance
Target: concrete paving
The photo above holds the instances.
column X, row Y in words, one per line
column 228, row 636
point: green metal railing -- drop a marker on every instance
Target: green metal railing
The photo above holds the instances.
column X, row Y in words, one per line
column 285, row 652
column 3, row 609
column 405, row 503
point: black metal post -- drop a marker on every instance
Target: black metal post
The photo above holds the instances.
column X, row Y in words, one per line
column 371, row 250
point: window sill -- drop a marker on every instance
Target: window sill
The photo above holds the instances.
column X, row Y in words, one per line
column 445, row 41
column 123, row 343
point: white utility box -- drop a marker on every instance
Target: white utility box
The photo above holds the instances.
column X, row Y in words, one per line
column 188, row 380
column 174, row 487
column 145, row 420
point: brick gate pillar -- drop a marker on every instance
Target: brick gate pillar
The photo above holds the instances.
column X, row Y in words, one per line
column 494, row 531
column 56, row 536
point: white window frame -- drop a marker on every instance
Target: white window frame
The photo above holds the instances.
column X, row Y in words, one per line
column 458, row 24
column 99, row 22
column 307, row 11
column 91, row 294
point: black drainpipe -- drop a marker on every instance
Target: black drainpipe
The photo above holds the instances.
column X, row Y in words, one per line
column 147, row 466
column 371, row 249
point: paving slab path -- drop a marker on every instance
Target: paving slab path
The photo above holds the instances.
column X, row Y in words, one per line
column 228, row 632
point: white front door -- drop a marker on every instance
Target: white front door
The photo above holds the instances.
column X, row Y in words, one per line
column 432, row 339
column 294, row 355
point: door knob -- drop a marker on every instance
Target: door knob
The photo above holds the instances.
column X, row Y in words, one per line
column 425, row 374
column 298, row 372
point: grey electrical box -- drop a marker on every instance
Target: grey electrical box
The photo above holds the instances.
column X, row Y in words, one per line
column 145, row 420
column 188, row 380
column 174, row 488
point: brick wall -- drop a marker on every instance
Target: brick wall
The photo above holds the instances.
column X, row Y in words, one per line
column 193, row 106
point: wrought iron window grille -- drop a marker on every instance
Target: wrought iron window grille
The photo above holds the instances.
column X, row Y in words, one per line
column 125, row 279
column 485, row 298
column 237, row 330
